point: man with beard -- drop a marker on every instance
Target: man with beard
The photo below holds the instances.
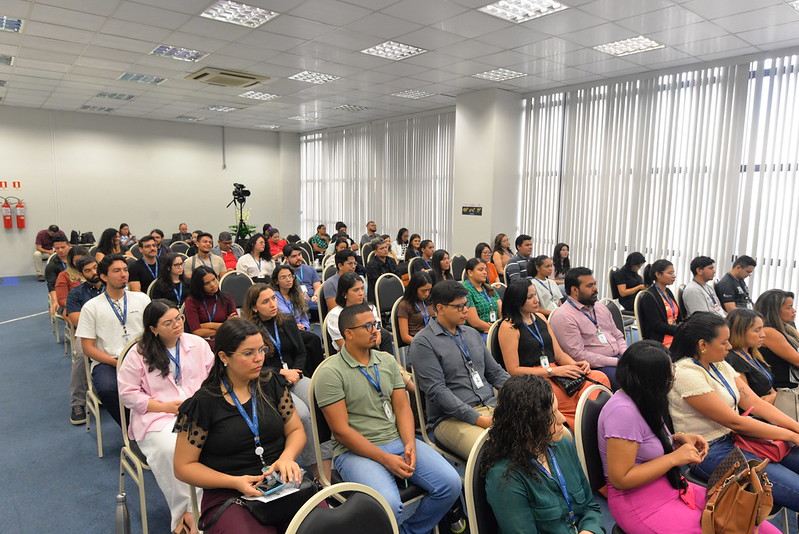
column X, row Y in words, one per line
column 205, row 242
column 145, row 270
column 586, row 332
column 305, row 274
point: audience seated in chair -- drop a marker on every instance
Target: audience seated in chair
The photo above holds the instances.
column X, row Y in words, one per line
column 170, row 284
column 145, row 271
column 109, row 244
column 414, row 247
column 731, row 289
column 339, row 245
column 585, row 331
column 501, row 255
column 257, row 262
column 425, row 263
column 483, row 252
column 380, row 264
column 70, row 278
column 182, row 234
column 162, row 370
column 516, row 267
column 456, row 372
column 400, row 246
column 560, row 258
column 371, row 233
column 540, row 270
column 290, row 299
column 529, row 347
column 362, row 396
column 224, row 249
column 698, row 296
column 308, row 278
column 781, row 346
column 204, row 257
column 659, row 312
column 525, row 495
column 56, row 266
column 628, row 282
column 441, row 264
column 746, row 338
column 207, row 308
column 158, row 235
column 414, row 310
column 44, row 248
column 345, row 263
column 485, row 306
column 107, row 323
column 320, row 241
column 275, row 243
column 126, row 239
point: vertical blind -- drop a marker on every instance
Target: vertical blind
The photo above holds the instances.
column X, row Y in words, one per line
column 395, row 172
column 701, row 162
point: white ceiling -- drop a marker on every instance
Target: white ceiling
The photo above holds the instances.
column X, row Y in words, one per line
column 70, row 50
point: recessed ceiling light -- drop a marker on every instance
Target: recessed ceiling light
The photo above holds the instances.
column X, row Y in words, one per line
column 303, row 118
column 116, row 96
column 97, row 108
column 522, row 10
column 413, row 93
column 141, row 78
column 350, row 107
column 259, row 96
column 8, row 24
column 6, row 60
column 267, row 126
column 395, row 51
column 241, row 14
column 190, row 118
column 499, row 75
column 223, row 109
column 633, row 45
column 794, row 5
column 176, row 52
column 313, row 77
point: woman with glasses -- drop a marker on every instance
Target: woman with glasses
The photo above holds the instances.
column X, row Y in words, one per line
column 166, row 367
column 237, row 428
column 170, row 284
column 207, row 307
column 290, row 299
column 257, row 262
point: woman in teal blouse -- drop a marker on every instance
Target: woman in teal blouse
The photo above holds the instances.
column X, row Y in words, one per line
column 485, row 306
column 534, row 482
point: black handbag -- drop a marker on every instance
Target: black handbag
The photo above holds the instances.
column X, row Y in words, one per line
column 275, row 512
column 572, row 385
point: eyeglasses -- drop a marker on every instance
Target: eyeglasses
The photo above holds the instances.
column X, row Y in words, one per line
column 286, row 277
column 459, row 307
column 177, row 264
column 369, row 327
column 251, row 353
column 179, row 319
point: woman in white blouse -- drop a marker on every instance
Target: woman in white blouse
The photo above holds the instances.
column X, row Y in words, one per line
column 540, row 270
column 257, row 261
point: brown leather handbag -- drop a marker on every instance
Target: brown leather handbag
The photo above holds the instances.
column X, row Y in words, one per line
column 740, row 499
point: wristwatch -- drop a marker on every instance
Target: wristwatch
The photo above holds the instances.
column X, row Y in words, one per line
column 549, row 370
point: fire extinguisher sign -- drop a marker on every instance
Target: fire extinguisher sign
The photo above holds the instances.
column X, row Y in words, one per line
column 3, row 185
column 16, row 185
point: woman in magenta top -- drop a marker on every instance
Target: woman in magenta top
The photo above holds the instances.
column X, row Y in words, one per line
column 161, row 371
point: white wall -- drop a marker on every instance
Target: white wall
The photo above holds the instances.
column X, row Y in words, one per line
column 89, row 172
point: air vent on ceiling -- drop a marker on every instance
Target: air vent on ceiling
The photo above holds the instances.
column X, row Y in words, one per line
column 226, row 78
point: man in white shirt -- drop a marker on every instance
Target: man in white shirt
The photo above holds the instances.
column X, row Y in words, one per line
column 205, row 242
column 107, row 323
column 697, row 295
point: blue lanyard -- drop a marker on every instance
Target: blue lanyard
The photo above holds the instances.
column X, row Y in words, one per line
column 416, row 253
column 462, row 346
column 176, row 360
column 374, row 381
column 426, row 263
column 757, row 365
column 423, row 311
column 276, row 341
column 592, row 319
column 252, row 422
column 155, row 274
column 287, row 303
column 720, row 379
column 553, row 463
column 213, row 313
column 257, row 262
column 670, row 301
column 298, row 273
column 160, row 251
column 123, row 317
column 179, row 292
column 63, row 264
column 203, row 261
column 483, row 294
column 545, row 286
column 537, row 334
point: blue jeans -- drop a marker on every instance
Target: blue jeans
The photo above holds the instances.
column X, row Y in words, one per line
column 784, row 475
column 610, row 372
column 104, row 378
column 433, row 474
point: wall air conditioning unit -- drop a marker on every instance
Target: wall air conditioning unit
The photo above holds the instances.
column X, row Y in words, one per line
column 226, row 78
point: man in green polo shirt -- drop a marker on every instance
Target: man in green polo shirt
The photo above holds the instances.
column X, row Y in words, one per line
column 362, row 396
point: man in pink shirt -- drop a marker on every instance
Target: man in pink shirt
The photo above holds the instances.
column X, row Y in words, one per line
column 586, row 332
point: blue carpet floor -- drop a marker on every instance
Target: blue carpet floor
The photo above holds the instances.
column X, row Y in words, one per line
column 51, row 479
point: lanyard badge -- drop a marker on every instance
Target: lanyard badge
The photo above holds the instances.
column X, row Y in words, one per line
column 375, row 382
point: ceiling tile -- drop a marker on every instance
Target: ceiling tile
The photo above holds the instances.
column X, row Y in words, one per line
column 565, row 21
column 424, row 12
column 329, row 12
column 762, row 18
column 66, row 17
column 773, row 34
column 713, row 9
column 153, row 16
column 272, row 41
column 134, row 30
column 512, row 37
column 685, row 34
column 662, row 19
column 348, row 39
column 551, row 46
column 383, row 26
column 470, row 49
column 123, row 43
column 430, row 38
column 59, row 33
column 712, row 46
column 613, row 9
column 604, row 33
column 472, row 24
column 215, row 28
column 297, row 27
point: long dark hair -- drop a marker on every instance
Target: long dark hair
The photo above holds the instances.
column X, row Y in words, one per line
column 295, row 294
column 419, row 279
column 470, row 266
column 150, row 345
column 645, row 375
column 534, row 264
column 197, row 286
column 699, row 326
column 345, row 283
column 399, row 236
column 164, row 281
column 653, row 269
column 438, row 255
column 520, row 431
column 411, row 252
column 479, row 248
column 266, row 254
column 514, row 300
column 498, row 244
column 769, row 304
column 633, row 259
column 72, row 268
column 562, row 266
column 106, row 243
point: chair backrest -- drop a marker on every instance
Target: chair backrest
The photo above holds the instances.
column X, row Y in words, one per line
column 322, row 304
column 641, row 327
column 308, row 251
column 130, row 261
column 93, row 251
column 150, row 289
column 680, row 303
column 618, row 320
column 614, row 291
column 123, row 418
column 236, row 247
column 481, row 517
column 395, row 333
column 411, row 263
column 325, row 258
column 371, row 255
column 388, row 290
column 319, row 427
column 179, row 246
column 493, row 343
column 500, row 289
column 327, row 343
column 136, row 251
column 330, row 271
column 292, row 238
column 236, row 285
column 365, row 251
column 585, row 432
column 458, row 266
column 364, row 507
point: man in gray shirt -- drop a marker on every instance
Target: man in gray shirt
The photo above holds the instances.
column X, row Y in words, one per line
column 697, row 295
column 371, row 233
column 456, row 372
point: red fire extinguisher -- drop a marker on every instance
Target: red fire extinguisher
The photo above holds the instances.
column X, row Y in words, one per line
column 20, row 209
column 6, row 214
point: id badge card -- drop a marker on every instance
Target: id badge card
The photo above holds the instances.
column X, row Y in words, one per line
column 303, row 289
column 544, row 362
column 493, row 316
column 478, row 382
column 285, row 365
column 601, row 336
column 389, row 411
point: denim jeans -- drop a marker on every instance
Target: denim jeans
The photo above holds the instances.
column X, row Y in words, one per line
column 784, row 475
column 433, row 474
column 104, row 378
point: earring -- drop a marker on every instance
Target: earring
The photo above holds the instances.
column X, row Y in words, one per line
column 224, row 363
column 700, row 352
